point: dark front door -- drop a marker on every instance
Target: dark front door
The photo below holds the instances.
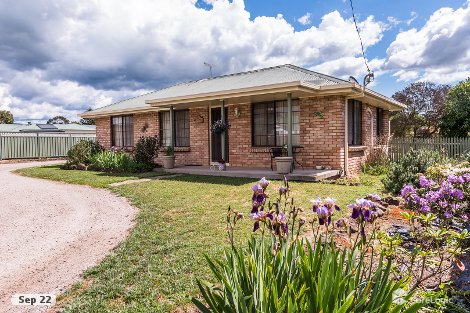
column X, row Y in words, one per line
column 216, row 114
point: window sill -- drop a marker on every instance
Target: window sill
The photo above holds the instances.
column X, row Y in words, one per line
column 357, row 148
column 182, row 149
column 260, row 149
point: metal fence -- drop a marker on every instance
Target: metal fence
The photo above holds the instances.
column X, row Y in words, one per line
column 452, row 147
column 36, row 145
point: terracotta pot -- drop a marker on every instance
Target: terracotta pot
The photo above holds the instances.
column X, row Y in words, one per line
column 283, row 165
column 168, row 161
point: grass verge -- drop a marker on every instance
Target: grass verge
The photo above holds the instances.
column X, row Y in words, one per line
column 180, row 219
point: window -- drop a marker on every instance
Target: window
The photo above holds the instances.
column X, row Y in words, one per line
column 380, row 122
column 165, row 135
column 122, row 131
column 269, row 125
column 181, row 128
column 354, row 122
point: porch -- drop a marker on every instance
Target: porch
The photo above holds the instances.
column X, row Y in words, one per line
column 235, row 171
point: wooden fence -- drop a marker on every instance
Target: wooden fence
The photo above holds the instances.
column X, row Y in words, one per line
column 36, row 145
column 452, row 147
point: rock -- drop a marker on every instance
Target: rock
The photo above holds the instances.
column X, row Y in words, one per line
column 380, row 212
column 379, row 206
column 403, row 231
column 392, row 200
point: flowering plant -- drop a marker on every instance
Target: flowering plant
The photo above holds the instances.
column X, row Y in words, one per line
column 438, row 219
column 288, row 274
column 447, row 199
column 218, row 127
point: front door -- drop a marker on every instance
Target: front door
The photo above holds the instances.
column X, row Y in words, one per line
column 216, row 139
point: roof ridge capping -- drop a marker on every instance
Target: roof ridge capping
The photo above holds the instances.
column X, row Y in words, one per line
column 308, row 71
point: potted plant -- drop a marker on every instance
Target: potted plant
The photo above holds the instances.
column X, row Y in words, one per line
column 222, row 165
column 284, row 164
column 218, row 127
column 169, row 158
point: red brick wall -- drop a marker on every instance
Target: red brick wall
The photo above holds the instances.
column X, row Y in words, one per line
column 321, row 135
column 103, row 131
column 322, row 132
column 145, row 124
column 322, row 138
column 356, row 155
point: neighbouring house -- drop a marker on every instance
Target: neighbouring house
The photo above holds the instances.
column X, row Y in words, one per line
column 48, row 128
column 333, row 122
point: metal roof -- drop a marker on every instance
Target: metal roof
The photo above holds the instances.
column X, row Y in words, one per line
column 251, row 79
column 33, row 128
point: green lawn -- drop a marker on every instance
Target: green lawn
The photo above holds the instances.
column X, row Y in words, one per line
column 180, row 220
column 90, row 178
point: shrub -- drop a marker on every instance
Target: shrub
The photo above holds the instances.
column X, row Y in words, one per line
column 442, row 171
column 376, row 162
column 146, row 150
column 405, row 171
column 81, row 153
column 117, row 162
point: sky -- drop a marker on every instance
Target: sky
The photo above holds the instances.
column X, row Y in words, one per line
column 61, row 57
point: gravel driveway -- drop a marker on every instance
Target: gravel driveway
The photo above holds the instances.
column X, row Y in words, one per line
column 51, row 232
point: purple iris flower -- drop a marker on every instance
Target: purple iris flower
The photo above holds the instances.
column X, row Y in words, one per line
column 285, row 228
column 355, row 211
column 342, row 222
column 264, row 183
column 257, row 188
column 448, row 214
column 323, row 215
column 282, row 190
column 367, row 214
column 331, row 203
column 260, row 198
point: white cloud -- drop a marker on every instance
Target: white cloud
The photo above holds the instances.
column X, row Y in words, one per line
column 413, row 17
column 438, row 52
column 393, row 21
column 305, row 20
column 63, row 56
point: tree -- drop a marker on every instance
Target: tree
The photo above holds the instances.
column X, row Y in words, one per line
column 6, row 117
column 425, row 103
column 87, row 121
column 58, row 120
column 456, row 119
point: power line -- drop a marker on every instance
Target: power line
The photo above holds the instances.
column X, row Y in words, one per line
column 359, row 34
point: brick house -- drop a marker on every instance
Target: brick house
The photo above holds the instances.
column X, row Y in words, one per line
column 333, row 122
